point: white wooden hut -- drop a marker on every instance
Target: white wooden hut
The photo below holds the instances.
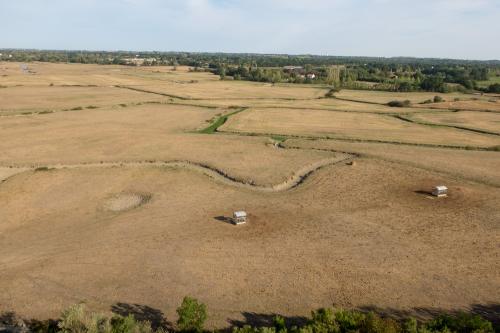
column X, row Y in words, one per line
column 239, row 217
column 440, row 191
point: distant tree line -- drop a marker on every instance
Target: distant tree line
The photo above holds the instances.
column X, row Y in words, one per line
column 393, row 74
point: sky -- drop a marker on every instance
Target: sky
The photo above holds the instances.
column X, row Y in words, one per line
column 460, row 29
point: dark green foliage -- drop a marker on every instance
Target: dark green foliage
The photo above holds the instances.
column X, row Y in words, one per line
column 279, row 324
column 438, row 99
column 372, row 323
column 192, row 315
column 410, row 325
column 399, row 104
column 460, row 323
column 494, row 88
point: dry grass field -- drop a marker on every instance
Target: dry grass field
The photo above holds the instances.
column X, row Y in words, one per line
column 127, row 205
column 486, row 121
column 353, row 125
column 383, row 97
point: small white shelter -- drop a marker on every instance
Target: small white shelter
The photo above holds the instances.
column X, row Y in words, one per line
column 240, row 217
column 440, row 191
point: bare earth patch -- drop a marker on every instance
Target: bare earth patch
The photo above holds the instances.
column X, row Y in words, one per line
column 126, row 201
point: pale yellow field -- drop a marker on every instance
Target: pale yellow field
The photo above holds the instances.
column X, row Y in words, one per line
column 474, row 105
column 25, row 99
column 487, row 121
column 232, row 90
column 384, row 97
column 323, row 104
column 476, row 166
column 130, row 204
column 351, row 126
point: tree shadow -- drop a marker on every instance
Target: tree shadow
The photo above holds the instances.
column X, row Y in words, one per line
column 143, row 313
column 266, row 320
column 8, row 318
column 490, row 311
column 224, row 219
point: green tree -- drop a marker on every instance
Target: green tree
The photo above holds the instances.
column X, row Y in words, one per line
column 192, row 315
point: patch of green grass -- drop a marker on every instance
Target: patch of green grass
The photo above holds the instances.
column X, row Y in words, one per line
column 486, row 84
column 92, row 107
column 219, row 122
column 42, row 168
column 279, row 138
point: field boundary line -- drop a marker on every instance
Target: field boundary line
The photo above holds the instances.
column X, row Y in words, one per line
column 291, row 182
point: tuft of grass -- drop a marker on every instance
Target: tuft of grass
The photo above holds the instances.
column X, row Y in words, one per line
column 92, row 107
column 279, row 138
column 42, row 168
column 78, row 108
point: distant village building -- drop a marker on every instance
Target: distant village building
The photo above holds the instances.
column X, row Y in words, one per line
column 138, row 61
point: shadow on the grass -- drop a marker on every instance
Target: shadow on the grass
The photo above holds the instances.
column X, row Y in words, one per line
column 143, row 313
column 266, row 319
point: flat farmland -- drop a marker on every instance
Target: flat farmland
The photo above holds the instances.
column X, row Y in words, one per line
column 383, row 97
column 312, row 103
column 33, row 99
column 229, row 90
column 129, row 202
column 487, row 121
column 345, row 125
column 491, row 104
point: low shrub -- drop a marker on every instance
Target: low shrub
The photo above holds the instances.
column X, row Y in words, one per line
column 438, row 99
column 192, row 315
column 399, row 104
column 462, row 322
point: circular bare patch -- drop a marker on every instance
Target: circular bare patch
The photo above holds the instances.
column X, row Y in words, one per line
column 125, row 201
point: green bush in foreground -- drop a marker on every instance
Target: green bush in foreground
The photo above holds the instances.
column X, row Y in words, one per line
column 192, row 315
